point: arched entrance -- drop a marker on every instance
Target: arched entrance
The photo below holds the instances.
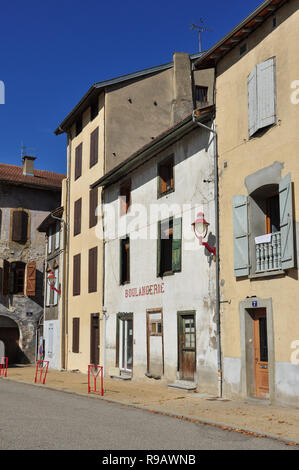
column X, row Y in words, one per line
column 9, row 339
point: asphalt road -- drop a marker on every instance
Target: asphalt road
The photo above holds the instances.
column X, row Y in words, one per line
column 39, row 419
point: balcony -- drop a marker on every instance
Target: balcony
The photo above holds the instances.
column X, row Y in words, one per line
column 268, row 253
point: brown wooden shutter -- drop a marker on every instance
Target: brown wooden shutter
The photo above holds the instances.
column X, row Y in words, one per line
column 76, row 334
column 77, row 216
column 31, row 279
column 92, row 269
column 76, row 274
column 93, row 203
column 94, row 144
column 19, row 226
column 5, row 285
column 78, row 161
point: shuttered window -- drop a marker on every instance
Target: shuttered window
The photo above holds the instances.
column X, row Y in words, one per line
column 93, row 204
column 31, row 279
column 76, row 334
column 76, row 274
column 166, row 179
column 92, row 269
column 262, row 96
column 19, row 226
column 94, row 143
column 286, row 223
column 169, row 246
column 125, row 260
column 77, row 216
column 78, row 161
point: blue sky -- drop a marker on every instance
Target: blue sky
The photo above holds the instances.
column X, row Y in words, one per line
column 51, row 52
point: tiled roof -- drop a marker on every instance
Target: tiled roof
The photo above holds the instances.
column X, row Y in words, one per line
column 14, row 174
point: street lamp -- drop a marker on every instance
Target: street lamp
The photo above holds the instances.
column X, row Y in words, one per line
column 200, row 227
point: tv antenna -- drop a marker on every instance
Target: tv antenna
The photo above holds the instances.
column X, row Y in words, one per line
column 27, row 151
column 201, row 29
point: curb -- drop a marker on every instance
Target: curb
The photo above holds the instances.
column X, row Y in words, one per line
column 190, row 418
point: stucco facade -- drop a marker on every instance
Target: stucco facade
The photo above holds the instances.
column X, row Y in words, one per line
column 248, row 165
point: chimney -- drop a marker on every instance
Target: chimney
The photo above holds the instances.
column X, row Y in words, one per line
column 182, row 104
column 28, row 164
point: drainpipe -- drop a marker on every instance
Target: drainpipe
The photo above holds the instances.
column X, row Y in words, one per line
column 216, row 201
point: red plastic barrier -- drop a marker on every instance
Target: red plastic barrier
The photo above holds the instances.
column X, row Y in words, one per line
column 42, row 368
column 3, row 366
column 93, row 374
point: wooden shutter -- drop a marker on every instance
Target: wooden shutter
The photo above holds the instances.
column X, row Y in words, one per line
column 92, row 269
column 93, row 204
column 31, row 279
column 266, row 93
column 252, row 103
column 286, row 223
column 94, row 142
column 78, row 161
column 76, row 334
column 19, row 226
column 5, row 285
column 77, row 216
column 241, row 247
column 76, row 274
column 177, row 245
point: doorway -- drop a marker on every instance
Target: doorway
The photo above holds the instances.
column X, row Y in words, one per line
column 155, row 343
column 125, row 342
column 186, row 345
column 260, row 347
column 94, row 339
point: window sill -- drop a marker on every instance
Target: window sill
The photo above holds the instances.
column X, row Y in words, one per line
column 267, row 274
column 165, row 193
column 167, row 273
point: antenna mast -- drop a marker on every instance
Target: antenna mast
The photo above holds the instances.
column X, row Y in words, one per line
column 200, row 29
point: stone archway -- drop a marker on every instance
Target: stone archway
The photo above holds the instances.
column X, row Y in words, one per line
column 9, row 338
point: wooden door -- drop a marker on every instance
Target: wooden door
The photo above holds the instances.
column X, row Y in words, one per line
column 155, row 346
column 261, row 372
column 94, row 339
column 187, row 346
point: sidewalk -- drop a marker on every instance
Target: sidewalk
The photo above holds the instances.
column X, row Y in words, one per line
column 279, row 422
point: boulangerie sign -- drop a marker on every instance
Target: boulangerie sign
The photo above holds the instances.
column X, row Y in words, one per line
column 151, row 289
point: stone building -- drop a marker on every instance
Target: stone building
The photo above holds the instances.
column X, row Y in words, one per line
column 27, row 195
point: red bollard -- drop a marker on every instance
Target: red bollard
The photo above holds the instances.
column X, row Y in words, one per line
column 43, row 367
column 93, row 373
column 3, row 366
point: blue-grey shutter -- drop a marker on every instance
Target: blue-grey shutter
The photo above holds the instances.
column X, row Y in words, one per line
column 252, row 102
column 177, row 245
column 241, row 248
column 266, row 93
column 286, row 223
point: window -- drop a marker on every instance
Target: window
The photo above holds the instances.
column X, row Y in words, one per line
column 93, row 204
column 19, row 231
column 79, row 125
column 50, row 239
column 92, row 269
column 78, row 161
column 77, row 217
column 57, row 236
column 125, row 260
column 125, row 197
column 76, row 335
column 166, row 180
column 94, row 143
column 156, row 328
column 17, row 278
column 55, row 293
column 169, row 246
column 263, row 230
column 262, row 96
column 201, row 94
column 94, row 109
column 48, row 292
column 76, row 274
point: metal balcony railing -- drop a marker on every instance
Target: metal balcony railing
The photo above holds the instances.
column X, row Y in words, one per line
column 268, row 253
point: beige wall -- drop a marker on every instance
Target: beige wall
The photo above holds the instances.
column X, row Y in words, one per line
column 240, row 157
column 85, row 304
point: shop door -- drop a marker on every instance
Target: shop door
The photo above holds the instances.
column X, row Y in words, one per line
column 187, row 346
column 261, row 371
column 94, row 339
column 126, row 344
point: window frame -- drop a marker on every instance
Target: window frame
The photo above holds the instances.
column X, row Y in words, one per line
column 162, row 164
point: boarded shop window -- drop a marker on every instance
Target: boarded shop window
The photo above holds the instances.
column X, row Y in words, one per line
column 94, row 144
column 125, row 197
column 169, row 246
column 92, row 269
column 76, row 274
column 19, row 232
column 78, row 161
column 76, row 335
column 77, row 216
column 166, row 180
column 93, row 204
column 125, row 260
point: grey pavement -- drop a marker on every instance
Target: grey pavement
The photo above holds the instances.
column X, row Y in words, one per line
column 40, row 419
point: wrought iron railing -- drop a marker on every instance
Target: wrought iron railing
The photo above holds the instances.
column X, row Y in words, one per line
column 268, row 254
